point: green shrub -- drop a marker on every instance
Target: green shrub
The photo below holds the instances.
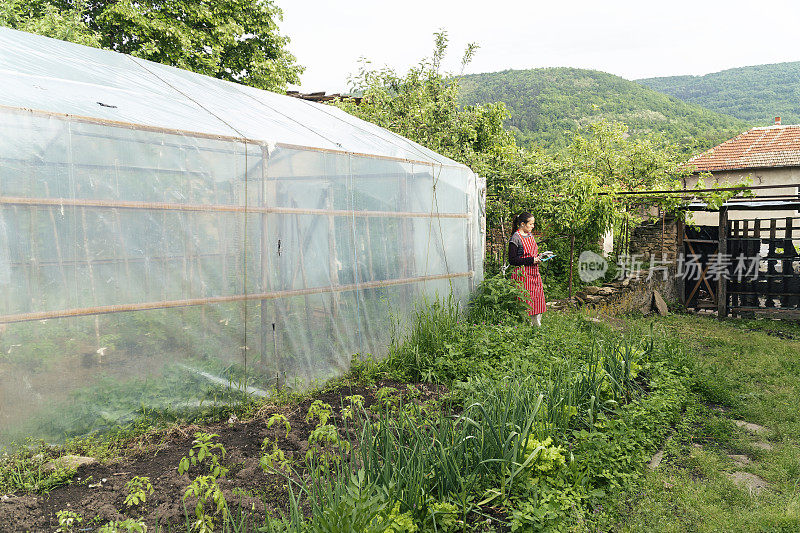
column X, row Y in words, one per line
column 498, row 298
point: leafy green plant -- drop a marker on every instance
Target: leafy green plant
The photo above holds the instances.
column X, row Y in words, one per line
column 206, row 490
column 387, row 398
column 279, row 419
column 201, row 450
column 272, row 458
column 356, row 403
column 138, row 488
column 498, row 297
column 129, row 525
column 68, row 521
column 443, row 517
column 319, row 410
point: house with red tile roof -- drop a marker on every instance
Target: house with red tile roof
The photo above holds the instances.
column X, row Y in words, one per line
column 767, row 155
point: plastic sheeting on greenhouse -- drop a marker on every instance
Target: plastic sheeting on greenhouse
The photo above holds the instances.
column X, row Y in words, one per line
column 171, row 241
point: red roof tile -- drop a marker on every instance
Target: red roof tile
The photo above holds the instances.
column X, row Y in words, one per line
column 773, row 146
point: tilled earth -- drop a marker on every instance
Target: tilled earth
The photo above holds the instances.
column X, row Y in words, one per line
column 97, row 491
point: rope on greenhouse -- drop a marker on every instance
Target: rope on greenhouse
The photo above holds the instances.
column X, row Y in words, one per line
column 435, row 209
column 441, row 233
column 246, row 152
column 201, row 106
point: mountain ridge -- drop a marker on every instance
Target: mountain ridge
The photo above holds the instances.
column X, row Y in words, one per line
column 548, row 105
column 755, row 93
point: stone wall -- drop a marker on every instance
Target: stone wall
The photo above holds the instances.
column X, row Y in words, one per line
column 634, row 293
column 647, row 239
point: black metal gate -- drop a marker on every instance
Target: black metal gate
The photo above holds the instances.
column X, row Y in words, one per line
column 753, row 270
column 772, row 286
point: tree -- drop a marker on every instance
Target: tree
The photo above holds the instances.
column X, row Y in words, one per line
column 423, row 105
column 65, row 24
column 575, row 206
column 573, row 191
column 234, row 40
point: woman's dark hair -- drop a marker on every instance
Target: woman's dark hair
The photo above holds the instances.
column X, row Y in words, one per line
column 521, row 219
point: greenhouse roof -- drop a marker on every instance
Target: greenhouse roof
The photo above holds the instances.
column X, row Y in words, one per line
column 58, row 78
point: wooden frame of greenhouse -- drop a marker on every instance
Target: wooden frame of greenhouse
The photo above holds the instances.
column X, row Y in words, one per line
column 169, row 240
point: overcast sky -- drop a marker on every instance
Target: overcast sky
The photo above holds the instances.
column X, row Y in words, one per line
column 633, row 39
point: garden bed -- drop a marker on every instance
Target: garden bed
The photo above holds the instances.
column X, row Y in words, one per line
column 523, row 429
column 97, row 491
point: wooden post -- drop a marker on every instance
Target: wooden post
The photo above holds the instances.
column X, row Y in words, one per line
column 264, row 197
column 787, row 272
column 501, row 252
column 626, row 242
column 722, row 282
column 571, row 258
column 772, row 270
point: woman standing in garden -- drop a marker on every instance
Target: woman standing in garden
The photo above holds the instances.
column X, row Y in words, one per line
column 523, row 253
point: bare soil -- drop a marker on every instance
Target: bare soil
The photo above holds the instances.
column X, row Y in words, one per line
column 97, row 491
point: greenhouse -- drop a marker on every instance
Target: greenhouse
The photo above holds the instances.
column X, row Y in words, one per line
column 171, row 241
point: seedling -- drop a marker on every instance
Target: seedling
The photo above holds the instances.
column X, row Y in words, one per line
column 356, row 402
column 387, row 397
column 124, row 526
column 321, row 411
column 276, row 456
column 204, row 449
column 206, row 490
column 67, row 521
column 280, row 419
column 138, row 489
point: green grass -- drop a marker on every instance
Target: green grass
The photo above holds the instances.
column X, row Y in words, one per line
column 746, row 370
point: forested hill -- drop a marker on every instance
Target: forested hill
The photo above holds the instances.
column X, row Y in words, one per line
column 756, row 94
column 547, row 105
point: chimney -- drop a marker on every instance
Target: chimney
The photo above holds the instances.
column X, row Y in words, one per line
column 777, row 121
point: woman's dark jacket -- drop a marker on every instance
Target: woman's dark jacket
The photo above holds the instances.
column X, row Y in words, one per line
column 516, row 251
